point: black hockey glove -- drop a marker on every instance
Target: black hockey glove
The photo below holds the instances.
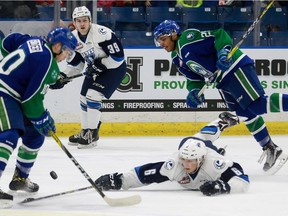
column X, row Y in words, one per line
column 60, row 83
column 95, row 68
column 217, row 187
column 109, row 182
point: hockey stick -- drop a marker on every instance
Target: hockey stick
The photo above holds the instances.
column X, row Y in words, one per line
column 30, row 199
column 126, row 201
column 72, row 77
column 250, row 29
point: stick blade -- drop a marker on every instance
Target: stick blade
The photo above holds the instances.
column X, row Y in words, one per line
column 125, row 201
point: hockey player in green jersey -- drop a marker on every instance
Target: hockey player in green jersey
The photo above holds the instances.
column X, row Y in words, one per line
column 26, row 71
column 201, row 56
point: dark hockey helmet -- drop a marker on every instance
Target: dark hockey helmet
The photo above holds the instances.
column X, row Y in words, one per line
column 167, row 27
column 64, row 36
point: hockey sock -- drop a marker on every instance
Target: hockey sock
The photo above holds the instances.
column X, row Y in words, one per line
column 25, row 160
column 8, row 142
column 258, row 129
column 84, row 117
column 278, row 102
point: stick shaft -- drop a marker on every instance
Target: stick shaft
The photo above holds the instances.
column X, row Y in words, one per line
column 28, row 200
column 125, row 201
column 58, row 141
column 251, row 28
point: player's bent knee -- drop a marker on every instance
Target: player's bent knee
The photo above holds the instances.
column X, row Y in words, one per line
column 94, row 99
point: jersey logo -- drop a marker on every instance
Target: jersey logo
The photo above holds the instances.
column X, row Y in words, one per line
column 190, row 36
column 79, row 46
column 184, row 180
column 102, row 31
column 169, row 164
column 34, row 46
column 219, row 164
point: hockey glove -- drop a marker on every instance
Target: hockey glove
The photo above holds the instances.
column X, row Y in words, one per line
column 61, row 82
column 44, row 124
column 109, row 182
column 193, row 100
column 217, row 187
column 223, row 63
column 96, row 68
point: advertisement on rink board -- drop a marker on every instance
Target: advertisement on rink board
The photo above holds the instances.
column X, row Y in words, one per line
column 152, row 82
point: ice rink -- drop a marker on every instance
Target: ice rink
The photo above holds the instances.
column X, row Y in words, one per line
column 267, row 194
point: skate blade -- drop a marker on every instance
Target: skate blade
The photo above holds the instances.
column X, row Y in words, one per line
column 91, row 145
column 281, row 160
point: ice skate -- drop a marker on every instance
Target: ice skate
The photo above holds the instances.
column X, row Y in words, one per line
column 6, row 200
column 19, row 183
column 73, row 140
column 88, row 139
column 275, row 159
column 228, row 120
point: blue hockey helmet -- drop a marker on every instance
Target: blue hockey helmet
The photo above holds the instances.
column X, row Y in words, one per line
column 167, row 27
column 64, row 36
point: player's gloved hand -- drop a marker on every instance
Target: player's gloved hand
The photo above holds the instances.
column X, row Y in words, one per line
column 223, row 63
column 193, row 100
column 95, row 68
column 61, row 82
column 109, row 182
column 44, row 124
column 217, row 187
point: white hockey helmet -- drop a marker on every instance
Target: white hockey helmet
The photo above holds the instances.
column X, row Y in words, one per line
column 81, row 12
column 193, row 149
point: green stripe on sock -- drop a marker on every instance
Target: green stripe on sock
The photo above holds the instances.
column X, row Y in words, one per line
column 5, row 153
column 26, row 155
column 274, row 102
column 256, row 124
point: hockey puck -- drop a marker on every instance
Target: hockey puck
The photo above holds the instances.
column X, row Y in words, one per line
column 53, row 175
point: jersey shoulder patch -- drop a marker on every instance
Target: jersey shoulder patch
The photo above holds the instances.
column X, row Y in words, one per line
column 219, row 164
column 102, row 31
column 169, row 164
column 34, row 46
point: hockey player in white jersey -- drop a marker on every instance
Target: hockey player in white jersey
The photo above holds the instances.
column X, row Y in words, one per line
column 197, row 165
column 100, row 54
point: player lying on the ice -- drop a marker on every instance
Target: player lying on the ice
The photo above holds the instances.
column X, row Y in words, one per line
column 197, row 165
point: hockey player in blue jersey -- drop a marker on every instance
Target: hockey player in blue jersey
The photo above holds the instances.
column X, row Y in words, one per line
column 28, row 68
column 100, row 50
column 197, row 165
column 199, row 54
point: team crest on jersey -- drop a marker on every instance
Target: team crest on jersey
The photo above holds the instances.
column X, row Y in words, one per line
column 169, row 164
column 184, row 180
column 190, row 36
column 219, row 164
column 102, row 31
column 79, row 46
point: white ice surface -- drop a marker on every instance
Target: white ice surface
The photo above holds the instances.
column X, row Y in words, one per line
column 267, row 194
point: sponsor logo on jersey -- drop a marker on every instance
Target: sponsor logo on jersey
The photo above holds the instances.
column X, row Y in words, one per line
column 190, row 36
column 102, row 31
column 219, row 164
column 184, row 180
column 169, row 164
